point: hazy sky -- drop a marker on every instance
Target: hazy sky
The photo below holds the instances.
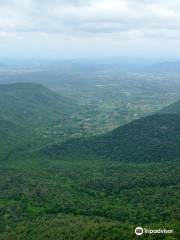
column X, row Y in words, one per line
column 76, row 28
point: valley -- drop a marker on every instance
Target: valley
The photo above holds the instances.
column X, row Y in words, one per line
column 89, row 152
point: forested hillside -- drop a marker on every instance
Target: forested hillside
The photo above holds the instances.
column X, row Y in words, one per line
column 32, row 104
column 149, row 139
column 90, row 188
column 32, row 115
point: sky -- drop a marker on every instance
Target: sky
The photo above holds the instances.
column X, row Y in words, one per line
column 90, row 28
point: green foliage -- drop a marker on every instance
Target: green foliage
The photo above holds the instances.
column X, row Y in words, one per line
column 152, row 138
column 47, row 199
column 77, row 190
column 32, row 115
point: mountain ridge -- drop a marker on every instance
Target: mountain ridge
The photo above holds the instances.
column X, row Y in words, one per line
column 153, row 138
column 30, row 112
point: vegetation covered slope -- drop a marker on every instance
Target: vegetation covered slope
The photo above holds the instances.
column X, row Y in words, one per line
column 52, row 199
column 46, row 197
column 152, row 138
column 32, row 104
column 31, row 114
column 172, row 108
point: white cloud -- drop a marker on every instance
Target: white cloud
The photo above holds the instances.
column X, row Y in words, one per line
column 123, row 20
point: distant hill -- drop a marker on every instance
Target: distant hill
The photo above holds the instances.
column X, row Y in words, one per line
column 29, row 113
column 166, row 67
column 33, row 104
column 172, row 108
column 152, row 138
